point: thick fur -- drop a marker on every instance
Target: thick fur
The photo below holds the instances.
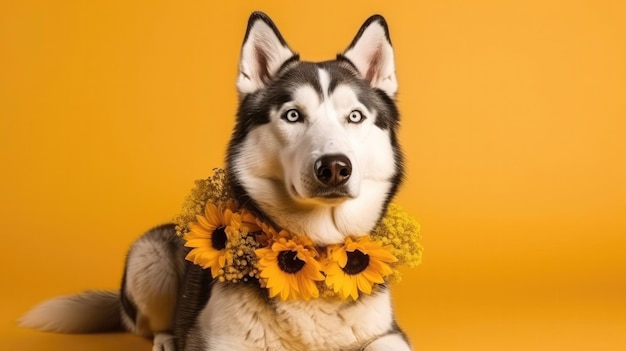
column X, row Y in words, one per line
column 294, row 119
column 87, row 312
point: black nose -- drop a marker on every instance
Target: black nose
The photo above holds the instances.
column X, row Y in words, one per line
column 333, row 170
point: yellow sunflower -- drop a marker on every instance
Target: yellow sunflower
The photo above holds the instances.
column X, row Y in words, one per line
column 209, row 236
column 356, row 266
column 288, row 268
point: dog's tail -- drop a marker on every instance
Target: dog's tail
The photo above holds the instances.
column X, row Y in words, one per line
column 87, row 312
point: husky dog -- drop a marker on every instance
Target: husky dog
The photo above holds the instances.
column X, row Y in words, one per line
column 314, row 151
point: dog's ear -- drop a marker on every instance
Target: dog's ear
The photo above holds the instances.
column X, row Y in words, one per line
column 263, row 52
column 372, row 54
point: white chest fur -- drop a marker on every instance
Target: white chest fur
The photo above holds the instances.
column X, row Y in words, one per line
column 237, row 318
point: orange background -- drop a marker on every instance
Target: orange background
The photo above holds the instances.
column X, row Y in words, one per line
column 513, row 126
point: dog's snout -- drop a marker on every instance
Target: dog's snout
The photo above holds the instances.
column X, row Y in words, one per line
column 333, row 170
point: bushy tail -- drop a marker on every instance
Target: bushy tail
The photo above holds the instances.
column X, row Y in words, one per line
column 87, row 312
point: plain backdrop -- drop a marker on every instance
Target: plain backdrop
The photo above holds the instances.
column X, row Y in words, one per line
column 513, row 124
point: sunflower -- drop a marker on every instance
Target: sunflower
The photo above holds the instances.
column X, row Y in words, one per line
column 356, row 265
column 288, row 268
column 209, row 236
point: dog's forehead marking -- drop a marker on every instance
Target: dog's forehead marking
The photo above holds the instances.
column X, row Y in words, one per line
column 324, row 79
column 313, row 89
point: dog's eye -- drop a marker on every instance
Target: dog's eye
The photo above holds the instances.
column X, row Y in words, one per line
column 356, row 117
column 292, row 116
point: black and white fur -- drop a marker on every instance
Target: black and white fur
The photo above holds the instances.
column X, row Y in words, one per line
column 314, row 151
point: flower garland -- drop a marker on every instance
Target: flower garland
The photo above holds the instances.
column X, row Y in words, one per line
column 236, row 246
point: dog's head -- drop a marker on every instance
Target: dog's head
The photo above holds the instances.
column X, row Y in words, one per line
column 314, row 149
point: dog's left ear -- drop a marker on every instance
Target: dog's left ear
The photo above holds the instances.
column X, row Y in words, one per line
column 263, row 52
column 372, row 54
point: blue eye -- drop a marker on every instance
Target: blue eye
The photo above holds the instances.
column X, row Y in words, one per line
column 356, row 117
column 292, row 116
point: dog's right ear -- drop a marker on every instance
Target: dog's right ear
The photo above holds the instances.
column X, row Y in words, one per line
column 372, row 54
column 263, row 52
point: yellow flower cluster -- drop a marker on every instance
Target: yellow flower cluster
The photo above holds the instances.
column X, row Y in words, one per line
column 402, row 231
column 237, row 247
column 214, row 189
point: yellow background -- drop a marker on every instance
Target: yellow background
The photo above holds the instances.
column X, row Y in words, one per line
column 513, row 126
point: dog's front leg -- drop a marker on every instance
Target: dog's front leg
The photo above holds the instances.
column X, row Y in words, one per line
column 391, row 342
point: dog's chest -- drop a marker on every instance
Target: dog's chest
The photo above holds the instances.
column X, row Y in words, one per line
column 236, row 318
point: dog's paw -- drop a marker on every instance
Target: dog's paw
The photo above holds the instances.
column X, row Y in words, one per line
column 393, row 342
column 163, row 342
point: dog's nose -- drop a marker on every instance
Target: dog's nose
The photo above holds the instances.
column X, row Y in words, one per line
column 333, row 170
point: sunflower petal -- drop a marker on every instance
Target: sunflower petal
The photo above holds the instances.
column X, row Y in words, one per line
column 284, row 293
column 340, row 256
column 293, row 282
column 227, row 216
column 273, row 292
column 196, row 230
column 373, row 276
column 212, row 214
column 215, row 271
column 381, row 267
column 203, row 243
column 235, row 221
column 346, row 287
column 382, row 254
column 277, row 283
column 205, row 223
column 363, row 284
column 308, row 289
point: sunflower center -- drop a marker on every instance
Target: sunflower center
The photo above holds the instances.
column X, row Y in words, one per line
column 218, row 239
column 357, row 262
column 288, row 262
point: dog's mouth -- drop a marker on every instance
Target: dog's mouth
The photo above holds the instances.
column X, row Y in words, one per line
column 333, row 194
column 324, row 195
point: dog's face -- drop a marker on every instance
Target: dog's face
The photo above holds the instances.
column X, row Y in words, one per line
column 314, row 148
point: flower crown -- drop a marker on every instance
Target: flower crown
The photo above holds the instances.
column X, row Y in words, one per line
column 238, row 247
